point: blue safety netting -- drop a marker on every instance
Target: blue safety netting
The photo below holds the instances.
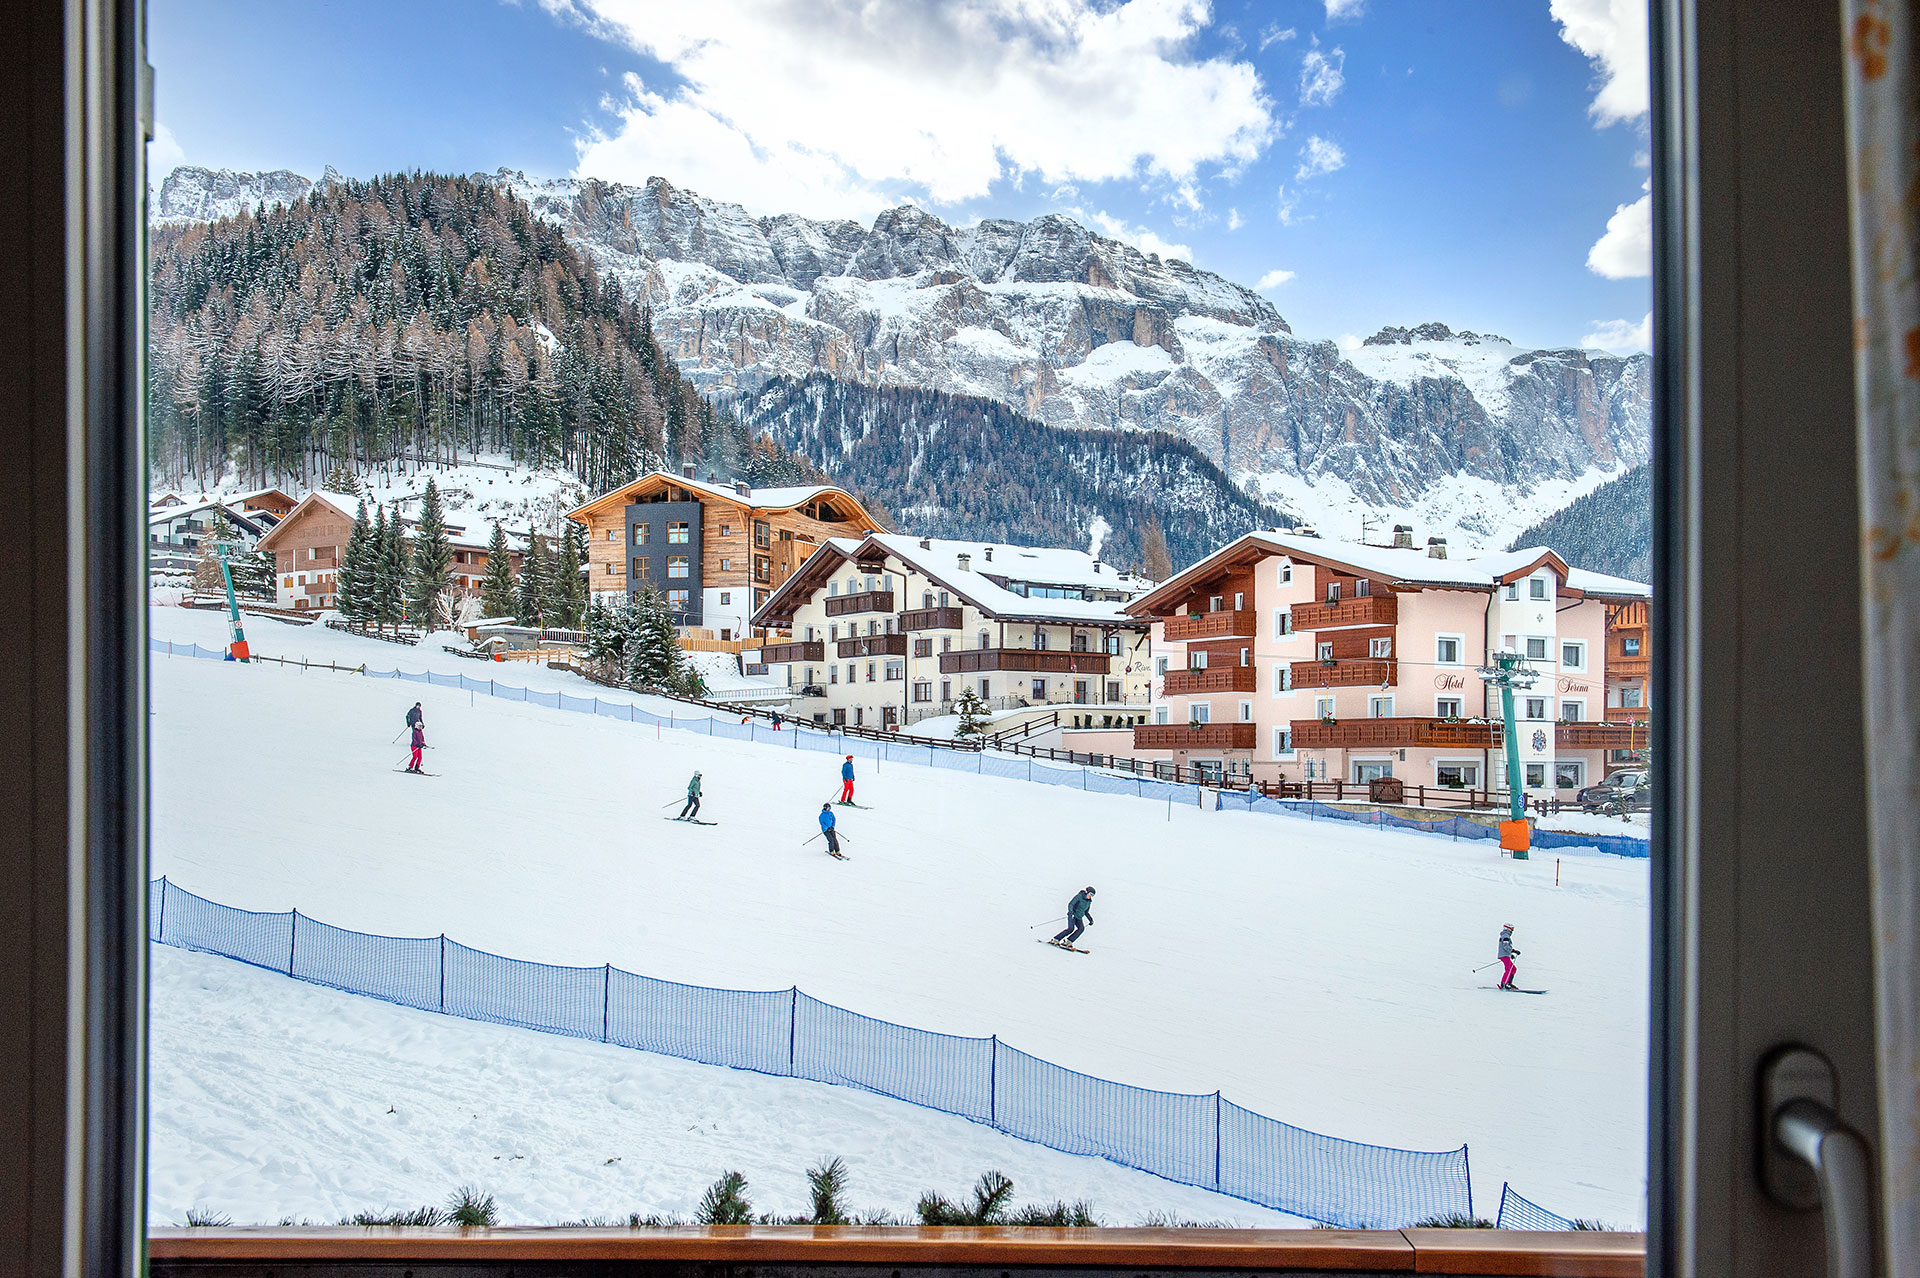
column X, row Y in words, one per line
column 1201, row 1140
column 1517, row 1213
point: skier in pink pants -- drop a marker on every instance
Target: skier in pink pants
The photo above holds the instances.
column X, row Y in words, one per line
column 1507, row 955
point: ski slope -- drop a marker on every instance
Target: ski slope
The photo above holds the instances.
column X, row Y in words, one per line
column 1316, row 972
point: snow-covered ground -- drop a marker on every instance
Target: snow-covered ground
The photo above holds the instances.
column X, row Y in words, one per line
column 271, row 1098
column 1316, row 972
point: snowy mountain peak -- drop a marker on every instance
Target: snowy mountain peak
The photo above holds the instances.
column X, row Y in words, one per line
column 1431, row 332
column 193, row 194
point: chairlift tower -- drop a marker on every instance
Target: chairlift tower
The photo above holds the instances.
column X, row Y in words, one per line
column 237, row 644
column 1508, row 670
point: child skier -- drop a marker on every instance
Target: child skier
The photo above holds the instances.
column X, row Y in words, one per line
column 692, row 809
column 1507, row 955
column 419, row 744
column 846, row 780
column 826, row 827
column 1079, row 917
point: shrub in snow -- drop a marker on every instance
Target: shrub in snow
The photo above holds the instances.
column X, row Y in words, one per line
column 828, row 1186
column 469, row 1207
column 207, row 1218
column 725, row 1202
column 992, row 1195
column 417, row 1216
column 1453, row 1220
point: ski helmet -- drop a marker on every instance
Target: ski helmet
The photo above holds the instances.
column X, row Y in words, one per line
column 1089, row 891
column 849, row 757
column 1508, row 927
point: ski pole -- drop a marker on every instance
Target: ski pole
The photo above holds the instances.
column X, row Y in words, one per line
column 1484, row 966
column 1047, row 922
column 814, row 837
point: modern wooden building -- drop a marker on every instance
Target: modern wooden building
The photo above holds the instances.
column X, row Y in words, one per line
column 715, row 552
column 889, row 629
column 308, row 544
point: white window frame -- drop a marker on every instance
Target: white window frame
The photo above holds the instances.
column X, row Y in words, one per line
column 1282, row 622
column 1546, row 647
column 1579, row 705
column 1161, row 714
column 1578, row 646
column 1580, row 778
column 1246, row 712
column 1464, row 764
column 1527, row 770
column 1459, row 650
column 1325, row 707
column 1528, row 712
column 1538, row 588
column 1282, row 741
column 1380, row 705
column 1380, row 648
column 1286, row 572
column 1454, row 699
column 1282, row 678
column 1199, row 712
column 1197, row 658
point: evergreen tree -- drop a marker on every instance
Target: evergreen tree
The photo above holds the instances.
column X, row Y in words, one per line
column 972, row 712
column 340, row 479
column 653, row 653
column 353, row 583
column 530, row 606
column 496, row 588
column 389, row 595
column 568, row 587
column 432, row 557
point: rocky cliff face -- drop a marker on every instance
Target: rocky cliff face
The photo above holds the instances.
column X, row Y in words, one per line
column 206, row 195
column 1466, row 434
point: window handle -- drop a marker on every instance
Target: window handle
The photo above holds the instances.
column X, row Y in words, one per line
column 1810, row 1159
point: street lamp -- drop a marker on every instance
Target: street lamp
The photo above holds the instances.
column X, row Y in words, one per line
column 1508, row 670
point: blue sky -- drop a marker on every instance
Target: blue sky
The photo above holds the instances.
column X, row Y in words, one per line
column 1364, row 162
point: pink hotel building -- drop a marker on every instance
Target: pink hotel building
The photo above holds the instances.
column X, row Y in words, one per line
column 1288, row 657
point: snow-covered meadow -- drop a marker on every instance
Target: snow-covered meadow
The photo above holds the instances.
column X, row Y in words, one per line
column 1316, row 972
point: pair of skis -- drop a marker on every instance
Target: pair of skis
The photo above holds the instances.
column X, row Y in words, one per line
column 420, row 773
column 691, row 821
column 1062, row 945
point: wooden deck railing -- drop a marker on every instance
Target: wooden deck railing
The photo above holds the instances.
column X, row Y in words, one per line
column 1033, row 660
column 1214, row 679
column 865, row 601
column 1372, row 610
column 1225, row 624
column 1345, row 672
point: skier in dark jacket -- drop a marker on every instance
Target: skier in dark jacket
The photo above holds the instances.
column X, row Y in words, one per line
column 415, row 719
column 826, row 828
column 419, row 744
column 692, row 810
column 1507, row 955
column 846, row 780
column 1079, row 917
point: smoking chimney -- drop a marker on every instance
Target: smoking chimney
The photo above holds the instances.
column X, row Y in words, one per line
column 1436, row 547
column 1402, row 537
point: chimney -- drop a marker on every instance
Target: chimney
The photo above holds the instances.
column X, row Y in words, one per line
column 1402, row 537
column 926, row 543
column 1306, row 530
column 1436, row 547
column 965, row 562
column 1096, row 567
column 686, row 470
column 740, row 486
column 989, row 553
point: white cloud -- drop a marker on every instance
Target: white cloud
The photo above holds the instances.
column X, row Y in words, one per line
column 1276, row 34
column 1319, row 156
column 1273, row 279
column 840, row 106
column 1613, row 35
column 1621, row 336
column 1322, row 75
column 1283, row 208
column 164, row 154
column 1626, row 250
column 1338, row 9
column 1139, row 236
column 1234, row 220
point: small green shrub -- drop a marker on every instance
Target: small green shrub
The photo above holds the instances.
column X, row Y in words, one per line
column 992, row 1194
column 725, row 1202
column 1453, row 1220
column 1598, row 1225
column 468, row 1207
column 1167, row 1220
column 637, row 1221
column 827, row 1184
column 1074, row 1215
column 207, row 1218
column 418, row 1216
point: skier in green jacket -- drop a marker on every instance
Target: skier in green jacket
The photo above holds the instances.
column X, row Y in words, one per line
column 1079, row 918
column 691, row 811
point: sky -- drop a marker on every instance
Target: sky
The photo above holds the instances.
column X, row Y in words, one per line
column 1363, row 163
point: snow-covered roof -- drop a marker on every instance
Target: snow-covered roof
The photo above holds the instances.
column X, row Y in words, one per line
column 1040, row 565
column 761, row 498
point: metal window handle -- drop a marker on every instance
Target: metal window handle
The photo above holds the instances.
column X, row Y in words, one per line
column 1810, row 1159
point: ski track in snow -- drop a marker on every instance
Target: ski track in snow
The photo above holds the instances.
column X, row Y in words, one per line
column 1316, row 972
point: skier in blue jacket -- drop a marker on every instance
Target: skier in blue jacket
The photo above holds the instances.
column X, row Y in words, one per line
column 826, row 828
column 846, row 780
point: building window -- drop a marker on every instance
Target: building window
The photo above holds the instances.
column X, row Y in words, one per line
column 1078, row 643
column 1215, row 603
column 1380, row 647
column 1197, row 659
column 1380, row 706
column 677, row 600
column 613, row 570
column 760, row 533
column 1447, row 707
column 986, row 689
column 1199, row 712
column 1536, row 776
column 833, row 590
column 1282, row 677
column 1113, row 692
column 1536, row 648
column 853, row 672
column 1282, row 622
column 986, row 640
column 1630, row 698
column 833, row 674
column 726, row 530
column 1446, row 650
column 923, row 691
column 1573, row 711
column 1286, row 572
column 679, row 532
column 1462, row 774
column 1112, row 645
column 726, row 565
column 1536, row 708
column 896, row 670
column 1570, row 774
column 1333, row 592
column 1573, row 655
column 1630, row 647
column 1246, row 656
column 1159, row 665
column 640, row 532
column 1362, row 588
column 726, row 599
column 1326, row 651
column 1536, row 588
column 1282, row 741
column 1323, row 707
column 1039, row 689
column 640, row 566
column 1239, row 602
column 946, row 645
column 923, row 647
column 1159, row 714
column 613, row 534
column 1513, row 590
column 1246, row 712
column 676, row 566
column 946, row 690
column 762, row 569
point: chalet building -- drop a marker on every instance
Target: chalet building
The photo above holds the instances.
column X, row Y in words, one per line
column 890, row 629
column 1628, row 671
column 179, row 531
column 308, row 544
column 1288, row 657
column 715, row 552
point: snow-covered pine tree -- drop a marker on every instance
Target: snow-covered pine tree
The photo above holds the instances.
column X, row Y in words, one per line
column 390, row 573
column 530, row 603
column 496, row 587
column 567, row 588
column 340, row 479
column 972, row 712
column 432, row 557
column 353, row 585
column 653, row 653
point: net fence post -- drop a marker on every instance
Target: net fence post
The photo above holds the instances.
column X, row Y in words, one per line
column 163, row 909
column 1466, row 1169
column 293, row 933
column 606, row 1000
column 443, row 971
column 793, row 1026
column 993, row 1081
column 1216, row 1140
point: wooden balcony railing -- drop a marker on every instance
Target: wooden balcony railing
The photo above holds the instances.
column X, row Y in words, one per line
column 1373, row 610
column 932, row 619
column 1599, row 736
column 1217, row 679
column 1038, row 661
column 873, row 646
column 1312, row 734
column 782, row 654
column 1349, row 672
column 1195, row 736
column 1225, row 624
column 866, row 601
column 1628, row 714
column 1619, row 667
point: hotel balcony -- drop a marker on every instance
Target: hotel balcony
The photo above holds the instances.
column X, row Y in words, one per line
column 1025, row 660
column 1601, row 736
column 1373, row 610
column 785, row 654
column 1393, row 733
column 1225, row 624
column 1195, row 736
column 866, row 601
column 1218, row 679
column 932, row 619
column 1345, row 672
column 873, row 646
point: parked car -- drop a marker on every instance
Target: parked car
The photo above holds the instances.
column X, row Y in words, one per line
column 1625, row 786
